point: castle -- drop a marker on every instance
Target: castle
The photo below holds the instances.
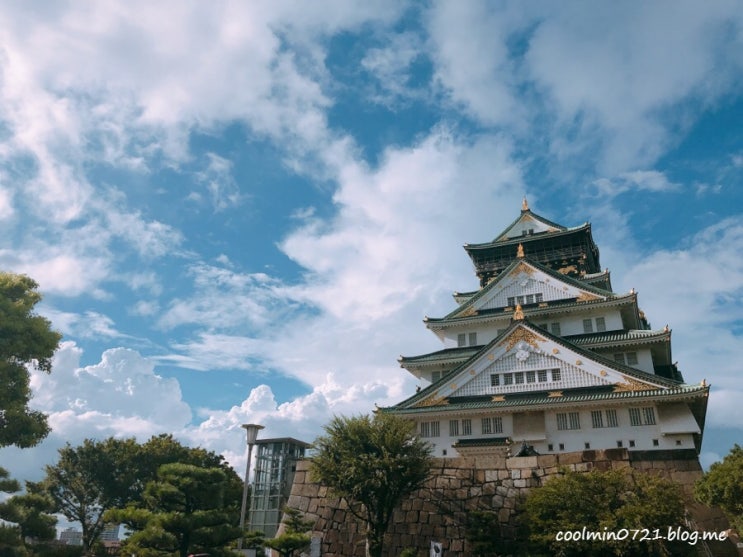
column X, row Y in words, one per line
column 545, row 358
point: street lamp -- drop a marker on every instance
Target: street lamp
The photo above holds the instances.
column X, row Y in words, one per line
column 252, row 431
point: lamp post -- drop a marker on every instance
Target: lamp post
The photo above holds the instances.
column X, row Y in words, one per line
column 252, row 432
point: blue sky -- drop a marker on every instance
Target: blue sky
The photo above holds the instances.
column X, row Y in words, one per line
column 241, row 212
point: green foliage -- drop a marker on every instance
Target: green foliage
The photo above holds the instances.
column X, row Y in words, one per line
column 182, row 512
column 99, row 475
column 722, row 486
column 25, row 339
column 604, row 502
column 294, row 538
column 373, row 463
column 29, row 518
column 482, row 531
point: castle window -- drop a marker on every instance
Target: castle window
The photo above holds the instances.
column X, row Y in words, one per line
column 508, row 378
column 539, row 297
column 511, row 301
column 461, row 340
column 600, row 324
column 473, row 339
column 620, row 444
column 494, row 380
column 555, row 329
column 587, row 326
column 492, row 425
column 556, row 375
column 631, row 443
column 453, row 428
column 631, row 358
column 597, row 418
column 519, row 376
column 531, row 377
column 530, row 298
column 619, row 358
column 550, row 447
column 648, row 415
column 562, row 446
column 430, row 429
column 642, row 416
column 542, row 375
column 611, row 418
column 568, row 420
column 655, row 443
column 587, row 446
column 466, row 427
column 435, row 376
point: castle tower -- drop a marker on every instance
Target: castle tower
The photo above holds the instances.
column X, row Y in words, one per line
column 546, row 355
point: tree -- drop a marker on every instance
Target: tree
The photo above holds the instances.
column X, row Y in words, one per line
column 182, row 512
column 26, row 339
column 372, row 463
column 722, row 486
column 295, row 537
column 605, row 502
column 96, row 476
column 29, row 516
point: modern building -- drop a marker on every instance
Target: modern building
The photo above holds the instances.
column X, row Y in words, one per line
column 275, row 465
column 545, row 357
column 71, row 536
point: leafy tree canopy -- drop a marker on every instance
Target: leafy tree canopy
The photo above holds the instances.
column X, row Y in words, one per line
column 723, row 486
column 604, row 502
column 373, row 463
column 29, row 516
column 99, row 475
column 25, row 339
column 182, row 512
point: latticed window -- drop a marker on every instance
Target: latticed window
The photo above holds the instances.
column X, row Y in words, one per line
column 556, row 375
column 600, row 324
column 531, row 377
column 569, row 420
column 611, row 418
column 542, row 375
column 461, row 339
column 555, row 329
column 466, row 427
column 587, row 326
column 492, row 425
column 430, row 429
column 494, row 380
column 648, row 415
column 508, row 378
column 597, row 418
column 453, row 428
column 519, row 377
column 539, row 297
column 634, row 416
column 473, row 339
column 631, row 358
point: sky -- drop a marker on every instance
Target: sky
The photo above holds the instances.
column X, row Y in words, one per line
column 242, row 211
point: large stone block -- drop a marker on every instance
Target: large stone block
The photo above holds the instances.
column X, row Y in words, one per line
column 521, row 462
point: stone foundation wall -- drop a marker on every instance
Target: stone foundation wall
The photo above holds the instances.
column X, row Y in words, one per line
column 496, row 483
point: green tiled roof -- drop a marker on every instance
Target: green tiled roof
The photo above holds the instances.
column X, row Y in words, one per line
column 523, row 239
column 615, row 337
column 448, row 354
column 544, row 400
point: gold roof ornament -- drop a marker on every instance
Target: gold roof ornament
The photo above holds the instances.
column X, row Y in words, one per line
column 519, row 313
column 520, row 251
column 524, row 205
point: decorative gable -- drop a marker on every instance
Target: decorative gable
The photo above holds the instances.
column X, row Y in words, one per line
column 525, row 284
column 527, row 360
column 526, row 225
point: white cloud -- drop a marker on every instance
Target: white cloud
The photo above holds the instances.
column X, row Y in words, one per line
column 644, row 180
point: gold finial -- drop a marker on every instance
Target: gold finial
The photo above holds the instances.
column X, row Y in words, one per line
column 520, row 251
column 666, row 329
column 518, row 314
column 524, row 205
